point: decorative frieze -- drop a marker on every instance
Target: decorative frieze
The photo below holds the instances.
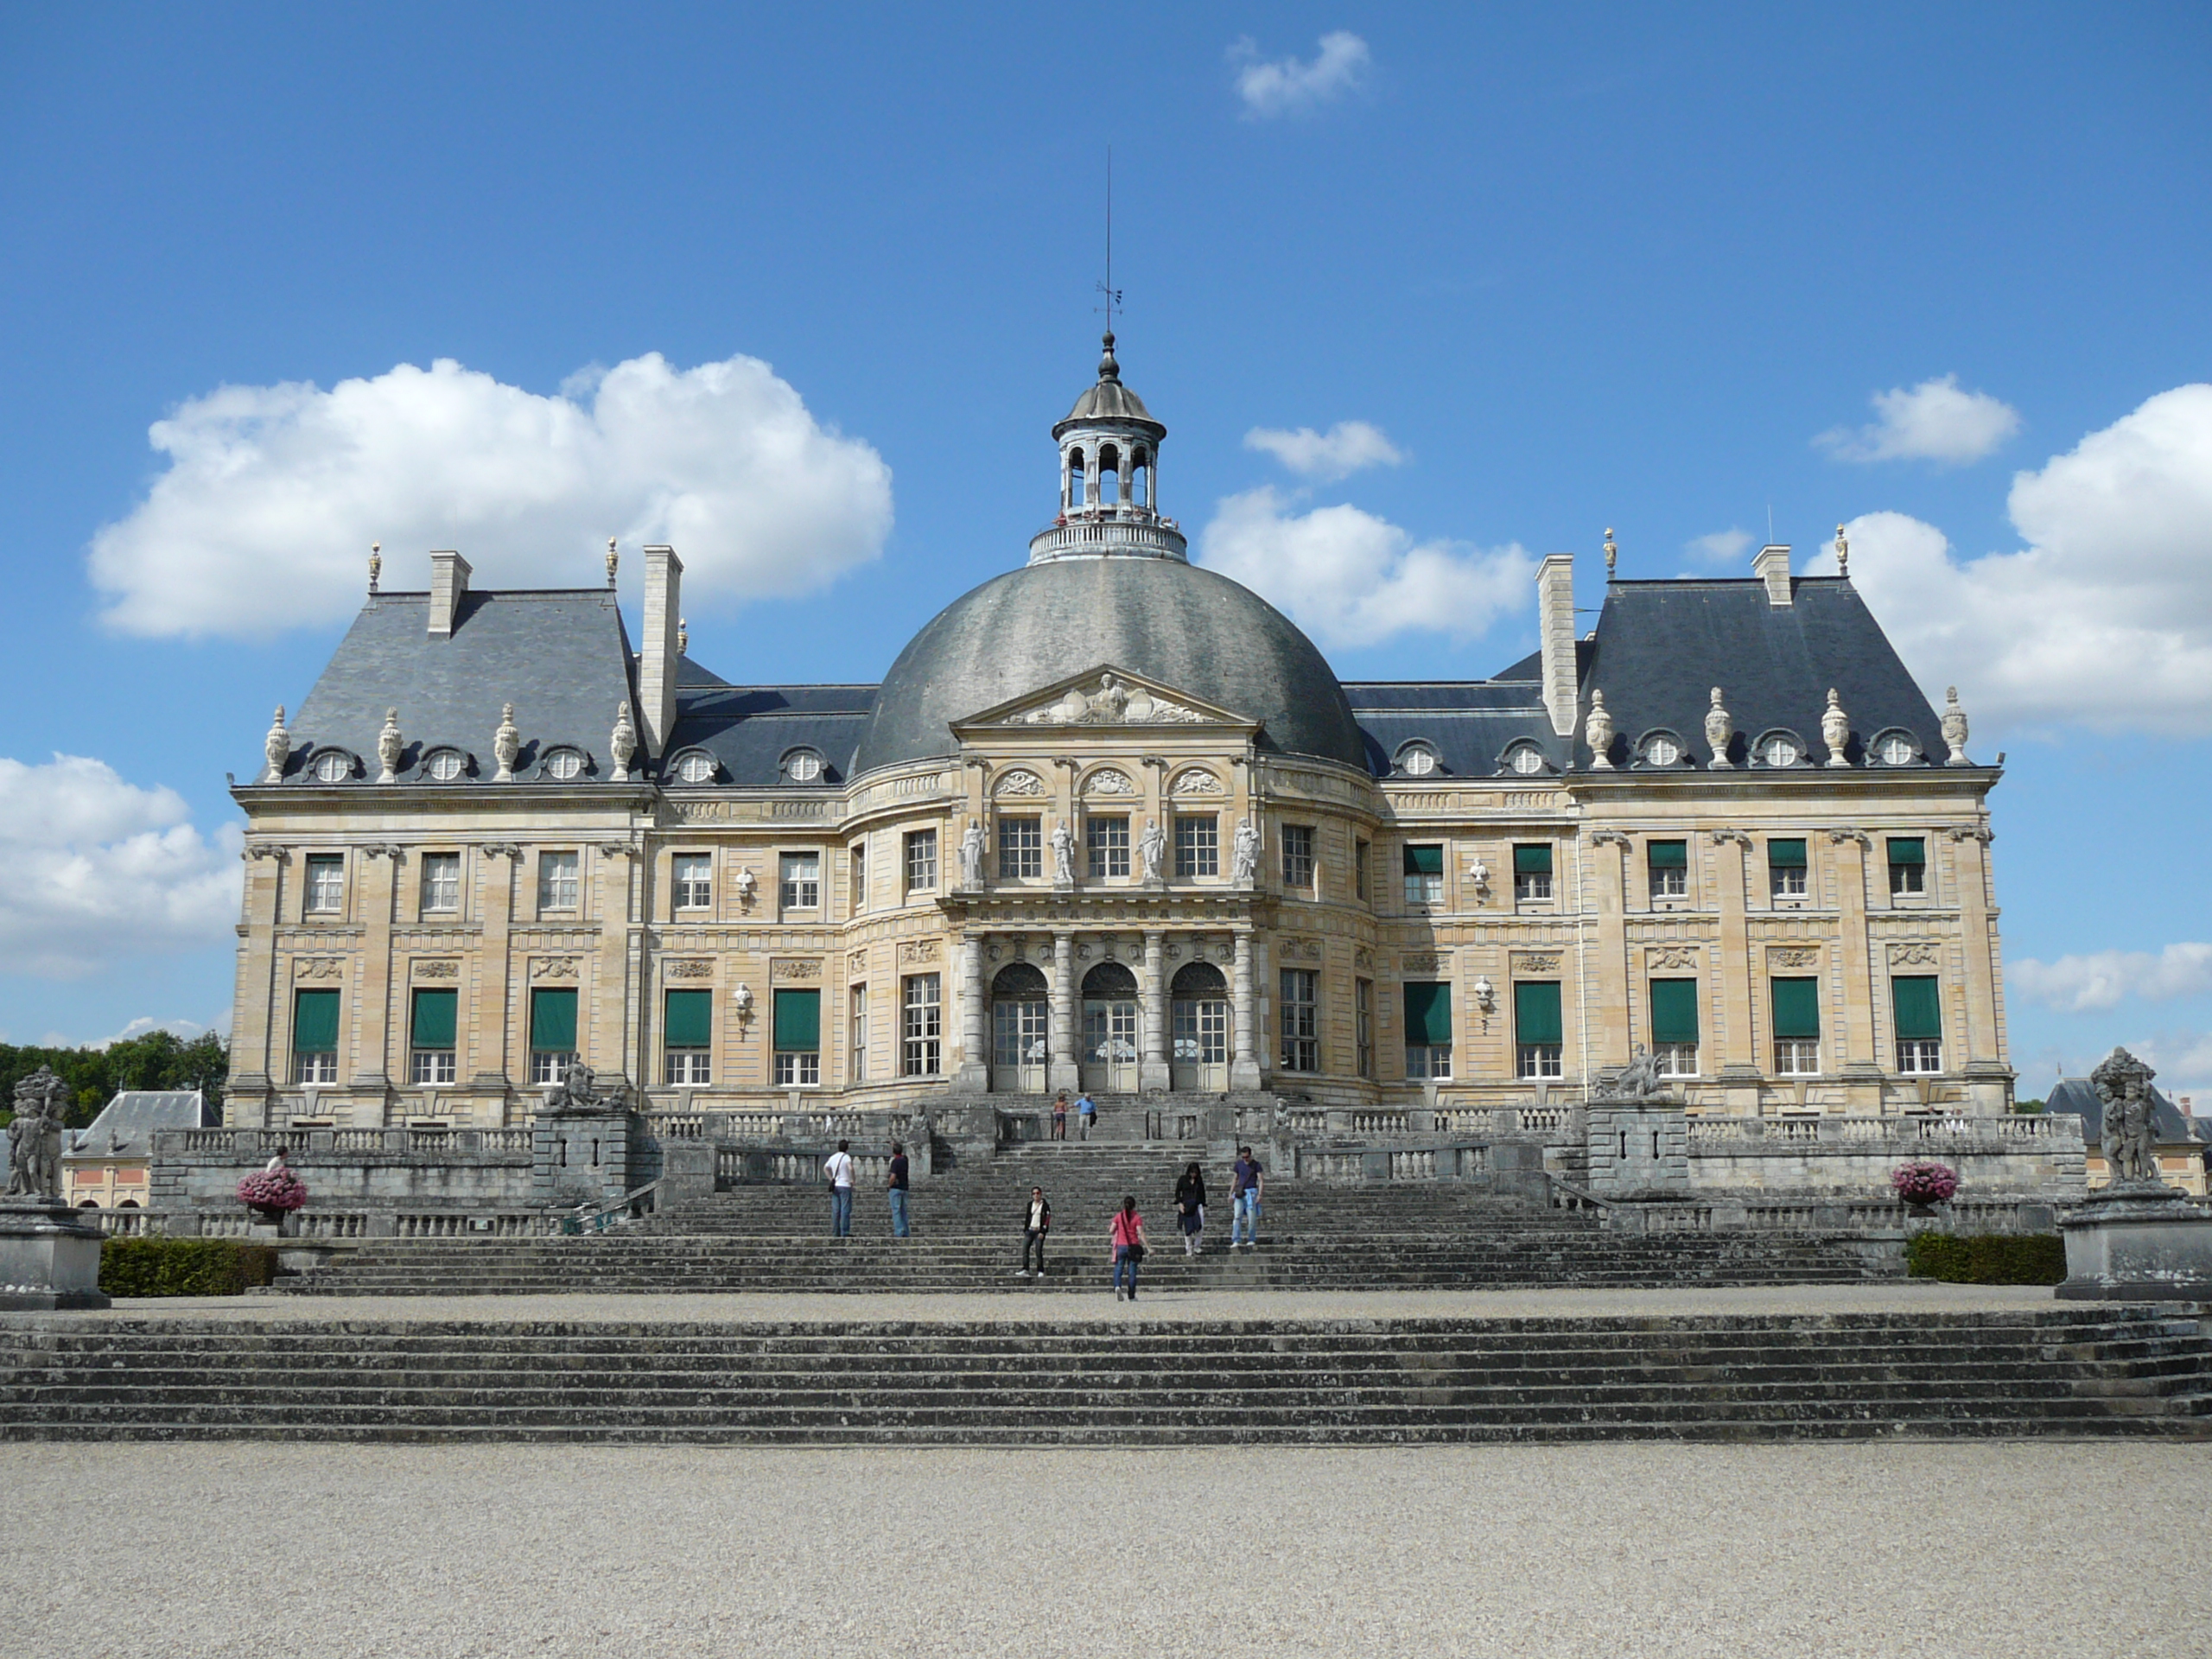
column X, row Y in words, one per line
column 1916, row 953
column 1018, row 784
column 795, row 971
column 434, row 968
column 914, row 952
column 1535, row 961
column 1783, row 957
column 554, row 968
column 1195, row 781
column 318, row 968
column 1667, row 958
column 1422, row 962
column 689, row 969
column 1108, row 780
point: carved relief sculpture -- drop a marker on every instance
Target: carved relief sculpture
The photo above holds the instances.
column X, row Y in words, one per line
column 623, row 744
column 1720, row 729
column 1836, row 730
column 277, row 748
column 1152, row 849
column 1108, row 780
column 1019, row 783
column 506, row 745
column 747, row 885
column 1955, row 728
column 1245, row 854
column 1597, row 733
column 972, row 841
column 390, row 747
column 2130, row 1140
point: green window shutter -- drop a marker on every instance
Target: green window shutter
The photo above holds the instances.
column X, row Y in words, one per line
column 1535, row 1011
column 315, row 1022
column 1918, row 1008
column 1424, row 861
column 553, row 1022
column 1669, row 854
column 1429, row 1013
column 1785, row 855
column 433, row 1019
column 798, row 1022
column 1533, row 860
column 1674, row 1010
column 1908, row 849
column 690, row 1018
column 1796, row 1007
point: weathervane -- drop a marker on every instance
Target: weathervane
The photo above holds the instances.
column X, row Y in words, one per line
column 1113, row 294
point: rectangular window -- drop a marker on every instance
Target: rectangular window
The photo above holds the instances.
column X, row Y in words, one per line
column 1796, row 1004
column 1538, row 1036
column 1359, row 870
column 441, row 881
column 1428, row 1029
column 1362, row 997
column 431, row 1019
column 921, row 861
column 1785, row 868
column 1918, row 1009
column 1674, row 1026
column 1301, row 1020
column 799, row 1038
column 314, row 1036
column 694, row 881
column 1908, row 865
column 1532, row 872
column 1021, row 848
column 1670, row 864
column 856, row 1033
column 552, row 1035
column 802, row 880
column 1107, row 840
column 1424, row 877
column 688, row 1033
column 326, row 884
column 856, row 872
column 1298, row 857
column 1198, row 847
column 920, row 1027
column 556, row 881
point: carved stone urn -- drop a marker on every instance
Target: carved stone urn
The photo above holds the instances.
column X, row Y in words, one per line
column 506, row 743
column 1720, row 730
column 277, row 748
column 1836, row 730
column 624, row 743
column 390, row 747
column 1955, row 728
column 1597, row 733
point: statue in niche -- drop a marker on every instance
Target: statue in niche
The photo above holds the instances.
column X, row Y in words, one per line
column 2130, row 1140
column 971, row 855
column 1637, row 1080
column 1244, row 853
column 1063, row 855
column 34, row 1134
column 1152, row 849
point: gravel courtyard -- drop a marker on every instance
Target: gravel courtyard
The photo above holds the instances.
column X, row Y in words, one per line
column 2014, row 1549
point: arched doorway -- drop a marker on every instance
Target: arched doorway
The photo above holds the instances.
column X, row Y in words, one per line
column 1108, row 1059
column 1198, row 1016
column 1021, row 1025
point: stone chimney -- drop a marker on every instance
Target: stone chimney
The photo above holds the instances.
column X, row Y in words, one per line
column 657, row 658
column 1555, row 624
column 1772, row 566
column 449, row 586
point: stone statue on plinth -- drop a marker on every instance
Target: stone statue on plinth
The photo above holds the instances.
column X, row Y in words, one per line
column 35, row 1136
column 1637, row 1080
column 2130, row 1140
column 2136, row 1239
column 971, row 856
column 1152, row 849
column 578, row 1091
column 49, row 1255
column 1244, row 857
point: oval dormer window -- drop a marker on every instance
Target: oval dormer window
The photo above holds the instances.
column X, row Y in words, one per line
column 565, row 765
column 1417, row 760
column 1781, row 752
column 444, row 765
column 1661, row 751
column 695, row 767
column 1526, row 759
column 802, row 765
column 333, row 766
column 1894, row 749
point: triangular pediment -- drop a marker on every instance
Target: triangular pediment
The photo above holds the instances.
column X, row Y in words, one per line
column 1105, row 696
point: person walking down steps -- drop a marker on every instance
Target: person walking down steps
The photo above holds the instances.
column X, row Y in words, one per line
column 1191, row 1209
column 1246, row 1178
column 1086, row 1112
column 900, row 1169
column 1036, row 1222
column 1127, row 1236
column 837, row 1170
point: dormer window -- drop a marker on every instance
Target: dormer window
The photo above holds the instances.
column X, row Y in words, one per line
column 803, row 766
column 1660, row 749
column 565, row 765
column 1417, row 759
column 444, row 765
column 1895, row 748
column 1526, row 759
column 694, row 766
column 333, row 766
column 1780, row 749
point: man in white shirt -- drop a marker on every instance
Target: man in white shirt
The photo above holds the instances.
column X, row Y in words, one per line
column 837, row 1170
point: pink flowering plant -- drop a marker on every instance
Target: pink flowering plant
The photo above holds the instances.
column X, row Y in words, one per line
column 1924, row 1181
column 273, row 1189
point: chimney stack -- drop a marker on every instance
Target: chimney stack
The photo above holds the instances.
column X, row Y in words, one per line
column 1555, row 623
column 449, row 586
column 1771, row 564
column 657, row 659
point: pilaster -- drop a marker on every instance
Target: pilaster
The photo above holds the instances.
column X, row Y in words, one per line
column 498, row 868
column 1738, row 1050
column 379, row 867
column 1608, row 960
column 1985, row 1051
column 1861, row 1071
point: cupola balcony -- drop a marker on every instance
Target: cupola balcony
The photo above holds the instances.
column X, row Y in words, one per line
column 1104, row 532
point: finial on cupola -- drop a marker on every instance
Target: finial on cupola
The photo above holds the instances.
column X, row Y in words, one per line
column 614, row 559
column 682, row 636
column 1842, row 554
column 376, row 564
column 1612, row 553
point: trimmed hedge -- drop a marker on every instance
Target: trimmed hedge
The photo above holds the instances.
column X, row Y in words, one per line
column 184, row 1267
column 1988, row 1258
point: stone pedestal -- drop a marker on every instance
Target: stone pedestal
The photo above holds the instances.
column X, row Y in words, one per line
column 2136, row 1243
column 49, row 1257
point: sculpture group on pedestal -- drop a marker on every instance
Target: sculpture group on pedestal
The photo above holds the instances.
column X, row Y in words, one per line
column 35, row 1136
column 2130, row 1138
column 1637, row 1080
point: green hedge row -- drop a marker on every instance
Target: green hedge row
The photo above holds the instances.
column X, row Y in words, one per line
column 1988, row 1258
column 184, row 1267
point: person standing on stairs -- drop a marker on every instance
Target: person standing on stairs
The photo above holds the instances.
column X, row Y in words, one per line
column 1086, row 1111
column 838, row 1172
column 897, row 1190
column 1036, row 1222
column 1126, row 1239
column 1245, row 1179
column 1191, row 1208
column 1060, row 1116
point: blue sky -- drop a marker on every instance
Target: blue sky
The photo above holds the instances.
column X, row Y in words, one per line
column 1573, row 266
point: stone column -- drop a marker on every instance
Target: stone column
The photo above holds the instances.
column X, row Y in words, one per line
column 1739, row 1060
column 379, row 867
column 975, row 1069
column 1063, row 1073
column 1244, row 1064
column 1152, row 1074
column 1861, row 1068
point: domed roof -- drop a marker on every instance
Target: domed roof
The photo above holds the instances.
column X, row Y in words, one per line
column 1174, row 623
column 1110, row 400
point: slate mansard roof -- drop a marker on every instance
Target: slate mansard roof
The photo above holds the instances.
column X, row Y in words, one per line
column 127, row 1121
column 2078, row 1098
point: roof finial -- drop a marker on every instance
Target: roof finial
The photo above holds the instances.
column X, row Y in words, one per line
column 1612, row 553
column 1107, row 368
column 376, row 564
column 614, row 559
column 1842, row 554
column 682, row 635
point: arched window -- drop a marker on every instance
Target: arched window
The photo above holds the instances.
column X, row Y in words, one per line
column 1110, row 982
column 1019, row 982
column 1199, row 979
column 1139, row 477
column 1075, row 478
column 1109, row 476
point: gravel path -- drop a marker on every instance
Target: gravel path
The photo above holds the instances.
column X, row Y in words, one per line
column 2014, row 1550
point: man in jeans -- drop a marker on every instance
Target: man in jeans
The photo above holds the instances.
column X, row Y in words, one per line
column 1245, row 1182
column 898, row 1190
column 838, row 1171
column 1036, row 1222
column 1086, row 1114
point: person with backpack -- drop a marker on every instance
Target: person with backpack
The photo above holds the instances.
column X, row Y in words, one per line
column 1036, row 1222
column 897, row 1190
column 837, row 1170
column 1191, row 1208
column 1126, row 1237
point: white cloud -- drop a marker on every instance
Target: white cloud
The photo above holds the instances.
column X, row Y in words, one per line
column 1349, row 578
column 1722, row 546
column 1286, row 86
column 92, row 867
column 186, row 1029
column 2105, row 618
column 2099, row 980
column 723, row 461
column 1343, row 449
column 1933, row 421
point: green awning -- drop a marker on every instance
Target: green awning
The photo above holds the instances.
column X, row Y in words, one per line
column 1532, row 860
column 798, row 1022
column 315, row 1022
column 1429, row 1012
column 1669, row 854
column 1424, row 861
column 553, row 1022
column 1908, row 849
column 1785, row 855
column 1796, row 1007
column 690, row 1018
column 1674, row 1010
column 1919, row 1010
column 1535, row 1011
column 432, row 1023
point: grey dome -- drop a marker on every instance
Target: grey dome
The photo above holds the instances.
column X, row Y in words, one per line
column 1174, row 623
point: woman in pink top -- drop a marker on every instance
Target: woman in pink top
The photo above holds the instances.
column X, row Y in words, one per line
column 1127, row 1235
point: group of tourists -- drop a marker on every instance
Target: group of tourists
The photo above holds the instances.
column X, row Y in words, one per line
column 840, row 1172
column 1125, row 1235
column 1086, row 1112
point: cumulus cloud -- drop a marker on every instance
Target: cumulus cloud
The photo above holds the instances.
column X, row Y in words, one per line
column 92, row 867
column 145, row 1024
column 1722, row 546
column 2104, row 619
column 1349, row 578
column 1343, row 449
column 1286, row 86
column 2073, row 984
column 723, row 461
column 1933, row 421
column 2182, row 1060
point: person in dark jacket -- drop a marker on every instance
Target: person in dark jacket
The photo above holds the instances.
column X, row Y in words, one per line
column 1191, row 1208
column 1036, row 1222
column 897, row 1190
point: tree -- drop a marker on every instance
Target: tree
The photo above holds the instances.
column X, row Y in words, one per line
column 160, row 1060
